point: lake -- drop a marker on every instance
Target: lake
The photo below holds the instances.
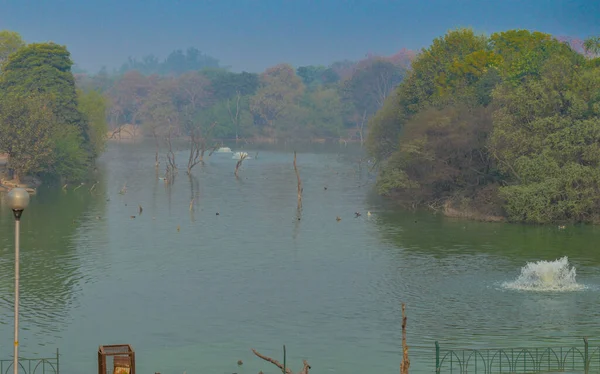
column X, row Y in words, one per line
column 195, row 291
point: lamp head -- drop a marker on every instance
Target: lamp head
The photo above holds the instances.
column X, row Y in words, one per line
column 17, row 199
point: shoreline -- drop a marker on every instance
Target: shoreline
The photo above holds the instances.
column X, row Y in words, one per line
column 258, row 140
column 470, row 214
column 132, row 134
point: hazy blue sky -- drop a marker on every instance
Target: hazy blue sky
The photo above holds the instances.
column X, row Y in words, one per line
column 253, row 34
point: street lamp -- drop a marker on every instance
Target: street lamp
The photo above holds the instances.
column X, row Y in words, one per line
column 17, row 200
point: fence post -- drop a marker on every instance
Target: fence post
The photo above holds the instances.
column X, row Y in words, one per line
column 586, row 365
column 437, row 357
column 57, row 362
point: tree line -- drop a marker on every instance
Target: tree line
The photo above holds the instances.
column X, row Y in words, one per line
column 54, row 117
column 500, row 126
column 191, row 94
column 48, row 127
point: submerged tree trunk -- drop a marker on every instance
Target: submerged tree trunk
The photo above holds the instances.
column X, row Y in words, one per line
column 157, row 148
column 198, row 147
column 300, row 189
column 238, row 164
column 405, row 361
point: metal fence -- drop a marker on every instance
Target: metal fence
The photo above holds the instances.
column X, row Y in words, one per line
column 48, row 365
column 574, row 359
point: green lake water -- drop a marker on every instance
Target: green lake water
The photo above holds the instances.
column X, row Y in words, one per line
column 254, row 276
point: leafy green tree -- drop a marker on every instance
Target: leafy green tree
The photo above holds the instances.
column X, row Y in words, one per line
column 325, row 113
column 546, row 135
column 280, row 91
column 592, row 45
column 94, row 107
column 70, row 158
column 314, row 76
column 429, row 83
column 177, row 62
column 10, row 42
column 524, row 53
column 226, row 85
column 519, row 110
column 45, row 68
column 101, row 81
column 27, row 126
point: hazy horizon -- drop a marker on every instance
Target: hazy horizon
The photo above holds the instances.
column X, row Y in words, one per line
column 252, row 36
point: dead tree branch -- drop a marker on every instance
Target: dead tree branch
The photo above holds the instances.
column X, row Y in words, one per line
column 214, row 148
column 405, row 364
column 235, row 119
column 300, row 189
column 170, row 154
column 239, row 163
column 198, row 146
column 304, row 370
column 155, row 136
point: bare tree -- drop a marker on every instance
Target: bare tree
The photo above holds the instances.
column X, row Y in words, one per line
column 171, row 165
column 158, row 112
column 235, row 118
column 360, row 125
column 239, row 163
column 198, row 146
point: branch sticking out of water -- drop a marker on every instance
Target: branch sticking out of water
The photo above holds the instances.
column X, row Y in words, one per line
column 284, row 369
column 300, row 189
column 214, row 148
column 405, row 364
column 239, row 163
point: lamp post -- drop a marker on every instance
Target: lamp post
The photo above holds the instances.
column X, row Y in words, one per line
column 17, row 200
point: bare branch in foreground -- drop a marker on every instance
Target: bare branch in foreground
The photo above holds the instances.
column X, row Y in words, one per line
column 280, row 365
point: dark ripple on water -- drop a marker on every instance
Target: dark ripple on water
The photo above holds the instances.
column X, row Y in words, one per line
column 49, row 286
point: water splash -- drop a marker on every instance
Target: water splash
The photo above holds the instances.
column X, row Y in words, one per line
column 557, row 276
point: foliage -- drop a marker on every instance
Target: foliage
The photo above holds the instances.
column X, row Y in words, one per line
column 158, row 110
column 519, row 110
column 314, row 76
column 10, row 42
column 592, row 45
column 325, row 113
column 71, row 159
column 27, row 124
column 47, row 127
column 176, row 63
column 282, row 102
column 44, row 68
column 547, row 137
column 280, row 90
column 225, row 84
column 94, row 107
